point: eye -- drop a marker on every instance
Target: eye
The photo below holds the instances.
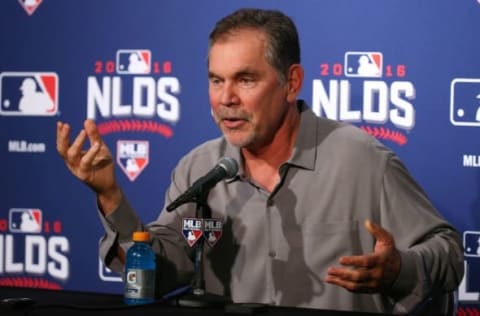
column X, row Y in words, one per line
column 246, row 82
column 214, row 81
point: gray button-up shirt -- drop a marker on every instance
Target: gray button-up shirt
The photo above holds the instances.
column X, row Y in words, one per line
column 276, row 247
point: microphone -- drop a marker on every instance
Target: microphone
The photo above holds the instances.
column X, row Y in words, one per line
column 226, row 167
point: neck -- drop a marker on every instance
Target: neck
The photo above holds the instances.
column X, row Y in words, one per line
column 262, row 163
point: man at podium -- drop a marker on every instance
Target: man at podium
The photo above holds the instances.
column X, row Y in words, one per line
column 319, row 215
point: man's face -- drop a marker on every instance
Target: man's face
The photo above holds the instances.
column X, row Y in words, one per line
column 248, row 100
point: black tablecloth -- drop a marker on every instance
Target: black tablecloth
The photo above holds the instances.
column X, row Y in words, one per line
column 46, row 302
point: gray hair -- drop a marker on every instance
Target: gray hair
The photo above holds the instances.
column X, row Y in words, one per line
column 283, row 47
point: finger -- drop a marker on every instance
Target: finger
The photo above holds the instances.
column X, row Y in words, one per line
column 352, row 280
column 63, row 138
column 353, row 286
column 74, row 152
column 87, row 160
column 92, row 131
column 354, row 275
column 362, row 261
column 380, row 234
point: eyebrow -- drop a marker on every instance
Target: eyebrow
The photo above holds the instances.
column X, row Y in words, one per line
column 241, row 73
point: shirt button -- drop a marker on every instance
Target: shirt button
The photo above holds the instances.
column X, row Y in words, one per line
column 270, row 203
column 272, row 254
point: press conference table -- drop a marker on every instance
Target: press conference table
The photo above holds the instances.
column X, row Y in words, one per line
column 79, row 303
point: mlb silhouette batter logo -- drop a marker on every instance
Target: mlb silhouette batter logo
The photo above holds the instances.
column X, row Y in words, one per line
column 465, row 102
column 28, row 93
column 132, row 157
column 363, row 64
column 25, row 220
column 134, row 61
column 30, row 5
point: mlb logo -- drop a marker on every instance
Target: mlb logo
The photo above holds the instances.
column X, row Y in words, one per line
column 471, row 243
column 363, row 64
column 30, row 5
column 212, row 231
column 465, row 102
column 192, row 230
column 132, row 157
column 29, row 93
column 25, row 220
column 134, row 61
column 106, row 274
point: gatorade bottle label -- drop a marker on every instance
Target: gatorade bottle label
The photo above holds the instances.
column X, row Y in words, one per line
column 140, row 283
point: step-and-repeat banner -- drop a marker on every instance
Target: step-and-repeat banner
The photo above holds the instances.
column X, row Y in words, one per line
column 407, row 72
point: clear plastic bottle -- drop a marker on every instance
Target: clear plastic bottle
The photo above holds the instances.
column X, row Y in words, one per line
column 140, row 271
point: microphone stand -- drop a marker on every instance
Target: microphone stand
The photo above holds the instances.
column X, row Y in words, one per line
column 199, row 297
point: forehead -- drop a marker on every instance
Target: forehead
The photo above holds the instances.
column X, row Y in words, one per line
column 238, row 46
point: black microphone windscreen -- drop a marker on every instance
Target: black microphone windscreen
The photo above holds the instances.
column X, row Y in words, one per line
column 230, row 165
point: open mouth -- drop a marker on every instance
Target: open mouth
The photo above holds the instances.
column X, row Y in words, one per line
column 232, row 122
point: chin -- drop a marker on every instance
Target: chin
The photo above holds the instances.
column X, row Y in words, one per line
column 237, row 137
column 235, row 142
column 234, row 139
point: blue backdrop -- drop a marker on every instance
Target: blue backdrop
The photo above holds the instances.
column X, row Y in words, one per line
column 408, row 72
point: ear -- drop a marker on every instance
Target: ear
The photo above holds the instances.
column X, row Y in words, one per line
column 294, row 82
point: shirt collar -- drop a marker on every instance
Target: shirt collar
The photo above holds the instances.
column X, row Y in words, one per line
column 234, row 152
column 304, row 151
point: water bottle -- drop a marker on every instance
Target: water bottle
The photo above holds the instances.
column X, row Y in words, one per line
column 140, row 271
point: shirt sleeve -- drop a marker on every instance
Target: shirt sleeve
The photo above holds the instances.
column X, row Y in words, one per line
column 430, row 248
column 119, row 227
column 174, row 257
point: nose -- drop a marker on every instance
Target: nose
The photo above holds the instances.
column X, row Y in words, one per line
column 228, row 95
